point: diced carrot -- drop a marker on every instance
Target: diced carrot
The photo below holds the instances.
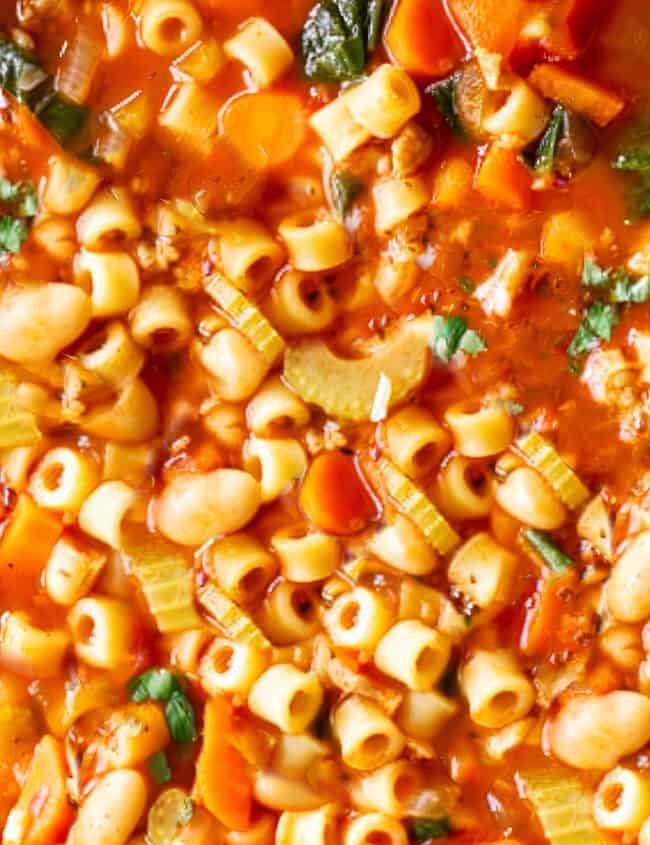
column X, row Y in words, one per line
column 464, row 763
column 421, row 38
column 334, row 495
column 266, row 129
column 453, row 183
column 491, row 24
column 222, row 782
column 504, row 180
column 28, row 539
column 42, row 814
column 543, row 618
column 566, row 86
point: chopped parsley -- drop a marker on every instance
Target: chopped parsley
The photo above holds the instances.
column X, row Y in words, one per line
column 23, row 77
column 344, row 188
column 451, row 335
column 634, row 160
column 444, row 94
column 598, row 322
column 466, row 284
column 594, row 276
column 424, row 829
column 548, row 550
column 338, row 36
column 18, row 200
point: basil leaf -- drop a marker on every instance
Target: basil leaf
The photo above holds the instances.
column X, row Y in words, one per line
column 444, row 93
column 159, row 768
column 180, row 718
column 424, row 829
column 344, row 188
column 448, row 333
column 544, row 546
column 155, row 684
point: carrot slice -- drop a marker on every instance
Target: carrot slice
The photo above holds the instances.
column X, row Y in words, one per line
column 421, row 38
column 266, row 129
column 335, row 497
column 491, row 24
column 504, row 180
column 42, row 814
column 222, row 783
column 28, row 539
column 543, row 618
column 566, row 86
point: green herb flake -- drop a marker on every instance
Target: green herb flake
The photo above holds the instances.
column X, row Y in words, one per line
column 13, row 233
column 547, row 549
column 450, row 335
column 466, row 284
column 180, row 718
column 155, row 684
column 597, row 323
column 444, row 94
column 634, row 160
column 513, row 408
column 344, row 189
column 424, row 829
column 159, row 768
column 626, row 289
column 337, row 37
column 594, row 276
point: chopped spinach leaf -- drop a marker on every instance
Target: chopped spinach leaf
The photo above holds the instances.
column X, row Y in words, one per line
column 444, row 93
column 450, row 334
column 337, row 37
column 159, row 768
column 344, row 188
column 544, row 157
column 23, row 77
column 546, row 547
column 598, row 321
column 424, row 829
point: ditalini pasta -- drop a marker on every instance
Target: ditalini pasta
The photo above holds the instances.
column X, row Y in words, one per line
column 324, row 422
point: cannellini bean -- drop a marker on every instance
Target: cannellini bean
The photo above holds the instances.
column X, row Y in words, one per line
column 110, row 813
column 38, row 321
column 595, row 732
column 628, row 588
column 194, row 508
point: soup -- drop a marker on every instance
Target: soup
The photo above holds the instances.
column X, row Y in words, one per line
column 324, row 424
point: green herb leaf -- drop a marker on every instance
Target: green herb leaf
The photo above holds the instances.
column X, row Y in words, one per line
column 424, row 829
column 594, row 276
column 546, row 548
column 13, row 232
column 466, row 284
column 626, row 289
column 345, row 188
column 333, row 46
column 22, row 75
column 159, row 768
column 544, row 157
column 444, row 93
column 598, row 322
column 376, row 10
column 450, row 334
column 634, row 160
column 186, row 812
column 472, row 343
column 513, row 408
column 155, row 684
column 180, row 718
